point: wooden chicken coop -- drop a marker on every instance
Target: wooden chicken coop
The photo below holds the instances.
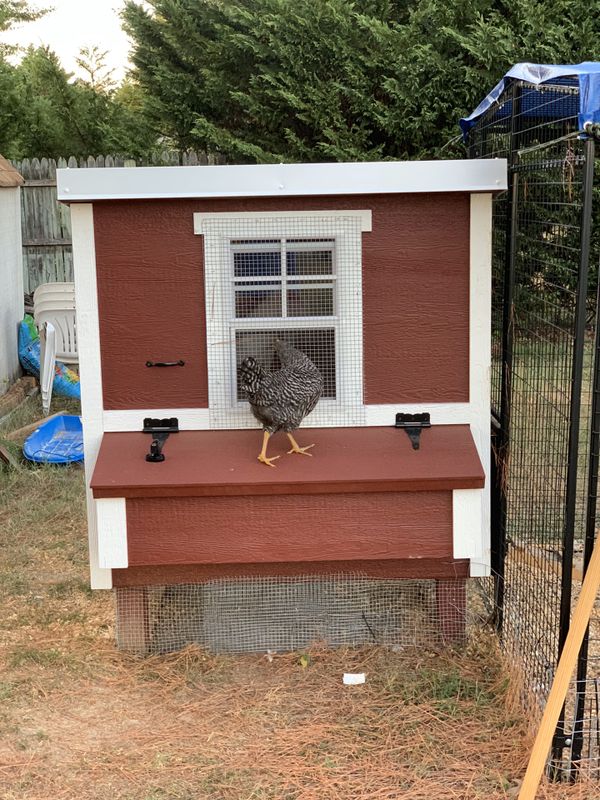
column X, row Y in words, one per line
column 380, row 273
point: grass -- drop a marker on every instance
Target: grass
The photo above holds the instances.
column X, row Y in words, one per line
column 78, row 719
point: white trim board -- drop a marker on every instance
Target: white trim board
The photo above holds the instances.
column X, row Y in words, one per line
column 198, row 419
column 203, row 219
column 466, row 523
column 111, row 519
column 90, row 370
column 282, row 180
column 480, row 331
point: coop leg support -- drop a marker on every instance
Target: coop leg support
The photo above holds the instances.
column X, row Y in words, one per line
column 133, row 621
column 451, row 599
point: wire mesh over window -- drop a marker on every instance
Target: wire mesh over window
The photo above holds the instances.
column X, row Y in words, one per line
column 318, row 345
column 296, row 289
column 293, row 278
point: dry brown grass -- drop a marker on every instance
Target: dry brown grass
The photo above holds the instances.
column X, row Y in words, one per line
column 80, row 720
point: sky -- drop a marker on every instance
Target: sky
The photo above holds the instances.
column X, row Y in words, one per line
column 74, row 24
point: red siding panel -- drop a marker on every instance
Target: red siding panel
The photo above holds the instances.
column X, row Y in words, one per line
column 151, row 305
column 415, row 293
column 416, row 301
column 197, row 573
column 229, row 530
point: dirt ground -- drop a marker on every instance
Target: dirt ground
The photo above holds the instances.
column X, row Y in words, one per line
column 80, row 720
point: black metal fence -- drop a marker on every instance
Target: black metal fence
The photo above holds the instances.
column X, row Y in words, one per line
column 545, row 394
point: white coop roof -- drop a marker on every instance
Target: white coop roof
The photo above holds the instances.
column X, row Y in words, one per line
column 281, row 180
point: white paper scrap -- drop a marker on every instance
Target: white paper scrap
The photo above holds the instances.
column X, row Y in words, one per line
column 354, row 678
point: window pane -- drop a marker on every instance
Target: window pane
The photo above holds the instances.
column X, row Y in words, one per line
column 257, row 302
column 309, row 262
column 318, row 345
column 313, row 301
column 256, row 264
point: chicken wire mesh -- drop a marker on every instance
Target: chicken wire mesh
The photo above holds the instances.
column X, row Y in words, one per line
column 545, row 267
column 295, row 278
column 279, row 614
column 532, row 653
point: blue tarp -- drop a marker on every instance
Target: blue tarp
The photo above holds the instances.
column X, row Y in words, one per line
column 586, row 74
column 66, row 381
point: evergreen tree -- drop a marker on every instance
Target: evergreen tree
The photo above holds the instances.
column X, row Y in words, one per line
column 46, row 111
column 14, row 11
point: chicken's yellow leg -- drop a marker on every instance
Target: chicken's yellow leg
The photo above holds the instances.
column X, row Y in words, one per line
column 263, row 453
column 296, row 447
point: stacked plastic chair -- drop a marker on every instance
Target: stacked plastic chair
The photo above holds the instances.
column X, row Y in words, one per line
column 54, row 313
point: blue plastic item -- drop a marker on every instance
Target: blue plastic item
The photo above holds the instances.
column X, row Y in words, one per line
column 585, row 75
column 66, row 381
column 58, row 441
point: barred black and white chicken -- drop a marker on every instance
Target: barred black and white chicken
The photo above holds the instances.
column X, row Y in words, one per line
column 281, row 399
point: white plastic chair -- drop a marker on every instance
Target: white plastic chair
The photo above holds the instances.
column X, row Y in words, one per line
column 54, row 313
column 47, row 362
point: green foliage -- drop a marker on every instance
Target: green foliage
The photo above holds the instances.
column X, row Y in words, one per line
column 14, row 11
column 12, row 121
column 9, row 107
column 46, row 112
column 283, row 80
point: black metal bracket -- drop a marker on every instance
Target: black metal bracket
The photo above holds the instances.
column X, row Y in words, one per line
column 179, row 363
column 160, row 430
column 413, row 424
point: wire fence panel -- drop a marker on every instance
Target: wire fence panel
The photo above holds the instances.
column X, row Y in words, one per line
column 545, row 274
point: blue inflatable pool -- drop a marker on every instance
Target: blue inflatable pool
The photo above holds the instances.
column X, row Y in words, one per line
column 58, row 441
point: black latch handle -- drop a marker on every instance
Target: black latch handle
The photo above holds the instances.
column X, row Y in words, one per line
column 179, row 363
column 413, row 424
column 160, row 430
column 156, row 453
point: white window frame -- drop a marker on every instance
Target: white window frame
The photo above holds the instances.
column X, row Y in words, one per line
column 346, row 229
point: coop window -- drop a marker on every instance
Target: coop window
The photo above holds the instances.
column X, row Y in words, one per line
column 281, row 282
column 295, row 277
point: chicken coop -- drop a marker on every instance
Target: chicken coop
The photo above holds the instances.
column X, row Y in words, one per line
column 379, row 274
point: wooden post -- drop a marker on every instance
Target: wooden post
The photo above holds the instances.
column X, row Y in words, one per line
column 451, row 600
column 133, row 621
column 564, row 671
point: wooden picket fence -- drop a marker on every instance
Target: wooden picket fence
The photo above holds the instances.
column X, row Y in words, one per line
column 46, row 223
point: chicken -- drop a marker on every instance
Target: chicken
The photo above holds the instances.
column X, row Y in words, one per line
column 281, row 399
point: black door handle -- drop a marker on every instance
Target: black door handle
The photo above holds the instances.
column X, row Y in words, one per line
column 165, row 363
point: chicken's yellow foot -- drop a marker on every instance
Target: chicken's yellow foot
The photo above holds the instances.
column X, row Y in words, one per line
column 267, row 461
column 262, row 456
column 296, row 447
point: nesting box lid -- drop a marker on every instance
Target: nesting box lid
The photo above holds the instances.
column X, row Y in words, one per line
column 223, row 462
